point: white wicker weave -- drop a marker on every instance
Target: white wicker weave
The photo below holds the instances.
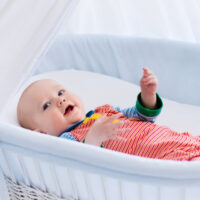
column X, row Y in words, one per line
column 20, row 191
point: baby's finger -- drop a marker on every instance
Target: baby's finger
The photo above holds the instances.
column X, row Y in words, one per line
column 122, row 130
column 117, row 124
column 152, row 82
column 103, row 117
column 115, row 116
column 150, row 78
column 147, row 71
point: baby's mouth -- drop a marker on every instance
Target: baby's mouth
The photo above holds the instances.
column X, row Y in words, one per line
column 68, row 109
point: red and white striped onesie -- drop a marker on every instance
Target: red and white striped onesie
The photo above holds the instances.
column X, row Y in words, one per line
column 142, row 138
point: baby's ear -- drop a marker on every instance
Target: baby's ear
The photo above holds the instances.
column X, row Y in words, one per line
column 38, row 130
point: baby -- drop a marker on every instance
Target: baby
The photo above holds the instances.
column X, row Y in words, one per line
column 45, row 106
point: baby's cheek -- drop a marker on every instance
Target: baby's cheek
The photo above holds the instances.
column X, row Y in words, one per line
column 55, row 119
column 48, row 122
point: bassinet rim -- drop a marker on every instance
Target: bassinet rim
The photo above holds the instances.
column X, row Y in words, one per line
column 123, row 166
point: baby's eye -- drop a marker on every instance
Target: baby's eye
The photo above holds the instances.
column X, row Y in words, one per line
column 60, row 92
column 45, row 106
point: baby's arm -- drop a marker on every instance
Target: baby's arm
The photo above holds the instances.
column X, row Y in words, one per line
column 140, row 111
column 149, row 104
column 104, row 129
column 148, row 85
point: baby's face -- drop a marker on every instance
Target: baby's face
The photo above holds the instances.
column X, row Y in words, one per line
column 50, row 108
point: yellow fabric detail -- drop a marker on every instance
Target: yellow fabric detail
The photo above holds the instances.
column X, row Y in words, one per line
column 96, row 116
column 114, row 121
column 93, row 116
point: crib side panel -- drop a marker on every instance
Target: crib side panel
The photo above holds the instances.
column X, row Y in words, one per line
column 71, row 183
column 123, row 57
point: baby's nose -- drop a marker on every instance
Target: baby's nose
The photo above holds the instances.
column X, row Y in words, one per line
column 60, row 101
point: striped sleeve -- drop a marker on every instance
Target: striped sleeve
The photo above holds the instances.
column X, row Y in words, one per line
column 139, row 111
column 68, row 136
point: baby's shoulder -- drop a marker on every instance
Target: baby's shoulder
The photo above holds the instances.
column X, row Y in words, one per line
column 106, row 108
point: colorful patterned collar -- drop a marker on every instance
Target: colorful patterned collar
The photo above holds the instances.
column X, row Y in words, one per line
column 89, row 114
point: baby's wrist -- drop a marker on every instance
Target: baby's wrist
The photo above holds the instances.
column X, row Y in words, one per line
column 92, row 141
column 149, row 100
column 147, row 92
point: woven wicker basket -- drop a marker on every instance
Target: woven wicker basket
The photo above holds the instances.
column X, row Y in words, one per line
column 20, row 191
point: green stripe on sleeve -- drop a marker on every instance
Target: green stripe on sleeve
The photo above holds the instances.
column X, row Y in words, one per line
column 149, row 112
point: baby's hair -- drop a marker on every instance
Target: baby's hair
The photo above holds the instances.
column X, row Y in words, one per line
column 20, row 112
column 23, row 121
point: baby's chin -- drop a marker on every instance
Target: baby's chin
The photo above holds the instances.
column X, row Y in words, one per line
column 56, row 131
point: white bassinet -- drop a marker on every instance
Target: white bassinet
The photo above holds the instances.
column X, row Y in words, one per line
column 37, row 166
column 72, row 170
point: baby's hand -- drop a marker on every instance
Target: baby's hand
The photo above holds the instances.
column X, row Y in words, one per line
column 148, row 82
column 103, row 129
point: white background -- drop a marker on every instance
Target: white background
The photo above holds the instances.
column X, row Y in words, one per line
column 170, row 19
